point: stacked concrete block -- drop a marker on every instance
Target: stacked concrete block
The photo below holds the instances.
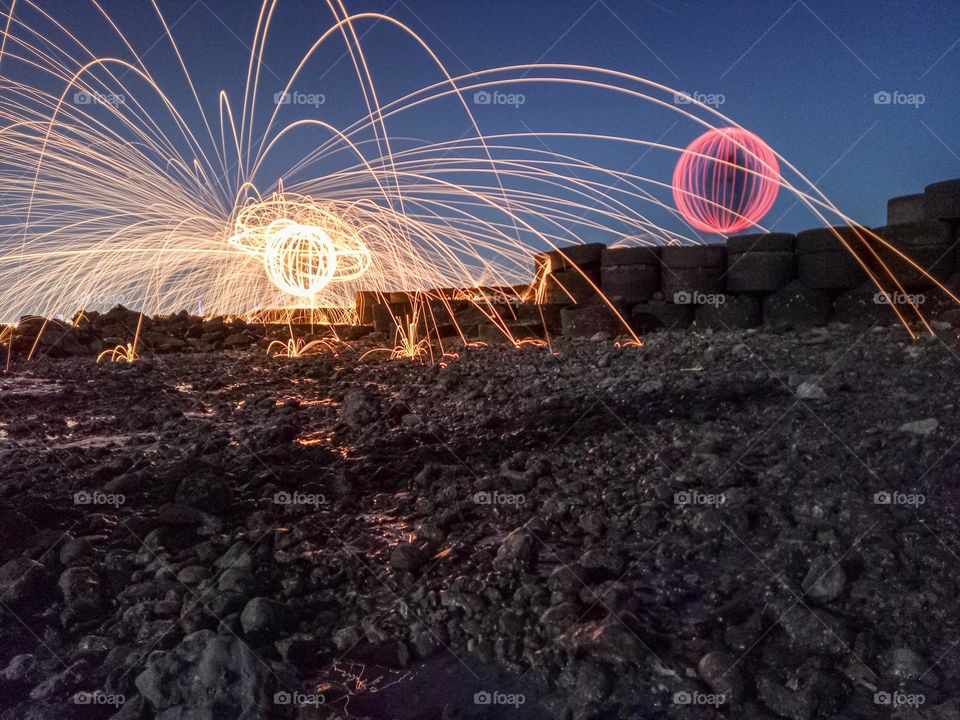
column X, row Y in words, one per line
column 630, row 274
column 692, row 270
column 760, row 263
column 824, row 263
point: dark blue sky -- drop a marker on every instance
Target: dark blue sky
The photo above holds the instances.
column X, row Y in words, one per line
column 803, row 75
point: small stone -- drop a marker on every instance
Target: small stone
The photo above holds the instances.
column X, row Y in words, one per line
column 811, row 391
column 358, row 409
column 192, row 574
column 60, row 685
column 825, row 580
column 76, row 552
column 719, row 671
column 407, row 557
column 260, row 618
column 903, row 664
column 78, row 581
column 517, row 549
column 920, row 427
column 25, row 583
column 815, row 631
column 345, row 638
column 22, row 670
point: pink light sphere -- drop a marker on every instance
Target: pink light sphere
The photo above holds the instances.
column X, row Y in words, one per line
column 726, row 180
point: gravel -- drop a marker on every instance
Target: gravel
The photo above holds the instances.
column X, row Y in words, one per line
column 751, row 525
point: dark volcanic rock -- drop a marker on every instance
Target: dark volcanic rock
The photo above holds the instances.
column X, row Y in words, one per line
column 208, row 672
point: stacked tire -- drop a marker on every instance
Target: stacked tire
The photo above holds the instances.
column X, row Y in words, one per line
column 571, row 274
column 630, row 274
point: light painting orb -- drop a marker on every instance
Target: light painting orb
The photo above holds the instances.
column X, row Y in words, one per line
column 726, row 181
column 304, row 245
column 299, row 259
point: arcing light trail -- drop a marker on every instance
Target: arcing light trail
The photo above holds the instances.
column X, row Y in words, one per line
column 110, row 191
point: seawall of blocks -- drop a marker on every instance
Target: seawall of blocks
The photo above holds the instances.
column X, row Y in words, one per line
column 777, row 280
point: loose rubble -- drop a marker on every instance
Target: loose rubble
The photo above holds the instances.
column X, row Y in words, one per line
column 753, row 525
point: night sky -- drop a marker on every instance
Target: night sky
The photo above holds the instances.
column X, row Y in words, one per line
column 803, row 75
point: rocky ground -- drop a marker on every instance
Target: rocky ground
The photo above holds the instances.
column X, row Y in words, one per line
column 734, row 525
